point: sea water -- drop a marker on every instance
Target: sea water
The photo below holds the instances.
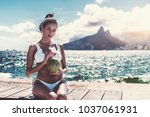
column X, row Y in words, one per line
column 86, row 65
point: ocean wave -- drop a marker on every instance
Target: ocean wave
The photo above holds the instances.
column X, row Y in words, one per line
column 111, row 66
column 5, row 75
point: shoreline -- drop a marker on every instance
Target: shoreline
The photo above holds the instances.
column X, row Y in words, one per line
column 83, row 84
column 141, row 79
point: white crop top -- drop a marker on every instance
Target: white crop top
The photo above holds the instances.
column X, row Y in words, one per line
column 40, row 56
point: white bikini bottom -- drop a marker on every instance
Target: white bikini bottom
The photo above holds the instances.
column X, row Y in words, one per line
column 50, row 86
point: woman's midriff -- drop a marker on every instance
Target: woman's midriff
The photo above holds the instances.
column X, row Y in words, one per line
column 45, row 76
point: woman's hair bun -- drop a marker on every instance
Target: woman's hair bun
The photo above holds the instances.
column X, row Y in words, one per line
column 49, row 16
column 48, row 19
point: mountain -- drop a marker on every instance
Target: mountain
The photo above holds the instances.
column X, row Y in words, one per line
column 102, row 40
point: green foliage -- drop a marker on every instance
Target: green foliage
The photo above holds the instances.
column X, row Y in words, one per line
column 132, row 80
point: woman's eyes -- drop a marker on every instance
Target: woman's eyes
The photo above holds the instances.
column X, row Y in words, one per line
column 51, row 30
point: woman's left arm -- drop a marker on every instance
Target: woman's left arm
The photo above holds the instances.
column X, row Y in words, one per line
column 63, row 61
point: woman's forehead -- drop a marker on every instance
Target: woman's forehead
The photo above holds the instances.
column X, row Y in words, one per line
column 51, row 25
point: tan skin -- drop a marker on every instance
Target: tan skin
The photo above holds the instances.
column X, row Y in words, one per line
column 40, row 90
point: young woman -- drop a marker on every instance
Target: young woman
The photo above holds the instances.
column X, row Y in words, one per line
column 47, row 85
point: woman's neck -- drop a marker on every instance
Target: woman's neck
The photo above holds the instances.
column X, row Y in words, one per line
column 45, row 41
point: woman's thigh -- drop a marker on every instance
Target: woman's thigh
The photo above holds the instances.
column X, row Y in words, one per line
column 62, row 90
column 41, row 91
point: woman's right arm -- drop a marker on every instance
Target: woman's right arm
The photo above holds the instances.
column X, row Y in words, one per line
column 30, row 60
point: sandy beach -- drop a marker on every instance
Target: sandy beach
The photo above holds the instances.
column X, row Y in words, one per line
column 131, row 91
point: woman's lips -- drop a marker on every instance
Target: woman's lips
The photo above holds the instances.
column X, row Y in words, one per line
column 49, row 36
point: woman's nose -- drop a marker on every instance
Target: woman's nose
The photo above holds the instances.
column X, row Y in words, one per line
column 51, row 32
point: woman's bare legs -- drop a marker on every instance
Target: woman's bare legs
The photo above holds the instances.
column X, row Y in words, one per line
column 42, row 92
column 62, row 91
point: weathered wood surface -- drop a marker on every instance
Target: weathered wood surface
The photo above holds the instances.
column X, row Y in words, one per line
column 25, row 92
column 112, row 95
column 94, row 95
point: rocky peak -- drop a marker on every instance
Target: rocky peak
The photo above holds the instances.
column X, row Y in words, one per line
column 99, row 41
column 108, row 32
column 101, row 30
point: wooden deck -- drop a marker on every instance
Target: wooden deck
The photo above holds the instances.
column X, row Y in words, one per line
column 21, row 91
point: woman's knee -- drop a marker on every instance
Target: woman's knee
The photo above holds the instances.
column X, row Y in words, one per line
column 52, row 96
column 62, row 96
column 39, row 93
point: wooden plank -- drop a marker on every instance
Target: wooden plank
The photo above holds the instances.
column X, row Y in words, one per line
column 22, row 93
column 94, row 95
column 31, row 96
column 77, row 94
column 70, row 90
column 5, row 88
column 1, row 85
column 11, row 91
column 112, row 95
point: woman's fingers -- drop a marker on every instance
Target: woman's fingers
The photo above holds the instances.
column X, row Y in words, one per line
column 56, row 74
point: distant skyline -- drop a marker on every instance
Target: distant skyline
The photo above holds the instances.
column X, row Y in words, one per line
column 126, row 19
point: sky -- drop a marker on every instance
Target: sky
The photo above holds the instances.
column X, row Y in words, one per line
column 128, row 20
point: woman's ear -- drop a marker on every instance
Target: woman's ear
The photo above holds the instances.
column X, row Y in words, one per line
column 42, row 28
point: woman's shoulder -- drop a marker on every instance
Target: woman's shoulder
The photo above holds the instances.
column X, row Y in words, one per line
column 33, row 46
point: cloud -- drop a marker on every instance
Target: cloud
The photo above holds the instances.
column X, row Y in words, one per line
column 17, row 28
column 142, row 37
column 5, row 29
column 100, row 1
column 88, row 23
column 130, row 26
column 18, row 36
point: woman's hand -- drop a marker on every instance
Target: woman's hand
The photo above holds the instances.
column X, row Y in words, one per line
column 57, row 73
column 28, row 73
column 61, row 71
column 48, row 55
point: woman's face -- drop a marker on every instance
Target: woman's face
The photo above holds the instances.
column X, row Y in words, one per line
column 49, row 30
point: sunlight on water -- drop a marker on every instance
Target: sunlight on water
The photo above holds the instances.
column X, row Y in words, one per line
column 107, row 64
column 87, row 65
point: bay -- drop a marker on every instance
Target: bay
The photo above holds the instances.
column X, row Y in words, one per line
column 87, row 65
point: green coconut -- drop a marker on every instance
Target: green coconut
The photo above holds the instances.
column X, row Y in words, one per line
column 53, row 65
